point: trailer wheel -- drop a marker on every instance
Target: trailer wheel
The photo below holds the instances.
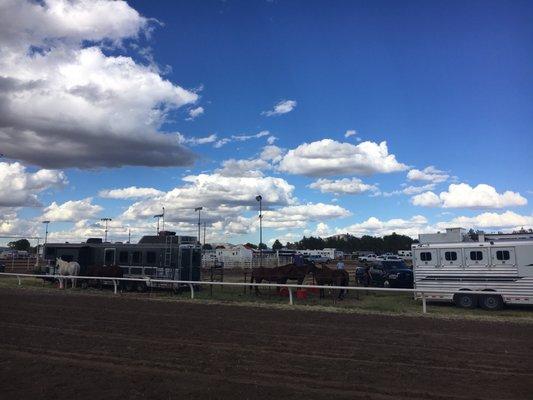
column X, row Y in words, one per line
column 491, row 302
column 464, row 300
column 141, row 287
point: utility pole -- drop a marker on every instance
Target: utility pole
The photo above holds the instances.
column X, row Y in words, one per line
column 259, row 198
column 158, row 216
column 199, row 209
column 163, row 215
column 46, row 231
column 205, row 228
column 105, row 220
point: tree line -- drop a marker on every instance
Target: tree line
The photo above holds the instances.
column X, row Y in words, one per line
column 349, row 243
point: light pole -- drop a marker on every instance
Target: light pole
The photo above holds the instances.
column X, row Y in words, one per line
column 158, row 216
column 199, row 209
column 163, row 215
column 259, row 198
column 46, row 231
column 105, row 220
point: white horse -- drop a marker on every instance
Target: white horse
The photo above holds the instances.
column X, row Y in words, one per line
column 67, row 268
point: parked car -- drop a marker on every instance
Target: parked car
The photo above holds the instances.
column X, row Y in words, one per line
column 317, row 258
column 368, row 257
column 389, row 273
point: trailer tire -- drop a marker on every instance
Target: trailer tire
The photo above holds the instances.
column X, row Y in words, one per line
column 141, row 287
column 465, row 300
column 491, row 302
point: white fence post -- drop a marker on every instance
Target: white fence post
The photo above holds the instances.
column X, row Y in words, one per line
column 290, row 297
column 115, row 285
column 192, row 290
column 424, row 308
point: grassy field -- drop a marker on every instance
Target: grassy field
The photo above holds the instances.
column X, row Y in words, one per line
column 362, row 302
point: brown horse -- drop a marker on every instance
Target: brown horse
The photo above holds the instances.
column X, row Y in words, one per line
column 107, row 271
column 281, row 275
column 332, row 277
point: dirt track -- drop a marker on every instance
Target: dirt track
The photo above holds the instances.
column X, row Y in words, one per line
column 68, row 346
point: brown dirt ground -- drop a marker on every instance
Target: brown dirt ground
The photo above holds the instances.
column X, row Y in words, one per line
column 68, row 346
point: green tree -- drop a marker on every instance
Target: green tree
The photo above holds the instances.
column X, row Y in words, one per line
column 263, row 246
column 21, row 245
column 251, row 245
column 277, row 245
column 207, row 246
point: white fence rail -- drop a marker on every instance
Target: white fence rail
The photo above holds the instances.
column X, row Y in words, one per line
column 290, row 287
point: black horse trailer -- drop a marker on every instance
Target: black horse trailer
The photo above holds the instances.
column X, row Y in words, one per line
column 165, row 256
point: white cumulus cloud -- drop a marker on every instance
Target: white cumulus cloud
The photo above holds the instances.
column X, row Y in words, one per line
column 350, row 132
column 329, row 157
column 195, row 112
column 132, row 192
column 71, row 211
column 283, row 107
column 19, row 188
column 463, row 195
column 342, row 186
column 430, row 174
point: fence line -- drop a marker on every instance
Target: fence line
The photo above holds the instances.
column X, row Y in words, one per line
column 289, row 286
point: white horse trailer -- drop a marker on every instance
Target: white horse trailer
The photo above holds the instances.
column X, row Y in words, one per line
column 498, row 265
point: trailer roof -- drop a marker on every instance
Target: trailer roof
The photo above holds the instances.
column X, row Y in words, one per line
column 496, row 243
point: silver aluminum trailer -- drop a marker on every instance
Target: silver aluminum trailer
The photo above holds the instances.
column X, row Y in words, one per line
column 493, row 265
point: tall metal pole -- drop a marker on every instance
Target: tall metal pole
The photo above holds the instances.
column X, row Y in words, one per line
column 205, row 228
column 105, row 220
column 259, row 198
column 46, row 231
column 199, row 209
column 163, row 218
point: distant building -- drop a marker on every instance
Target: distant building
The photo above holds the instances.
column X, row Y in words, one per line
column 241, row 256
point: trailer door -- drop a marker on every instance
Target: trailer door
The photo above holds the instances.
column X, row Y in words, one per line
column 451, row 257
column 503, row 256
column 426, row 257
column 477, row 256
column 109, row 257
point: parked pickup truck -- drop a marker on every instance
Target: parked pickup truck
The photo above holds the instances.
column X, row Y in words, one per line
column 369, row 257
column 385, row 274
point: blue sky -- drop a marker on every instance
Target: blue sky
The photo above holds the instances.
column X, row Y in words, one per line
column 447, row 86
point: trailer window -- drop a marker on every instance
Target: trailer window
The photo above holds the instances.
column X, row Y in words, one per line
column 476, row 255
column 502, row 255
column 123, row 257
column 109, row 257
column 450, row 255
column 150, row 257
column 136, row 257
column 426, row 256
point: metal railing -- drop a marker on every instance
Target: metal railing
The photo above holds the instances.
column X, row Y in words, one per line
column 290, row 287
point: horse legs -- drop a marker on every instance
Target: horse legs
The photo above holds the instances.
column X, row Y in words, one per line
column 258, row 280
